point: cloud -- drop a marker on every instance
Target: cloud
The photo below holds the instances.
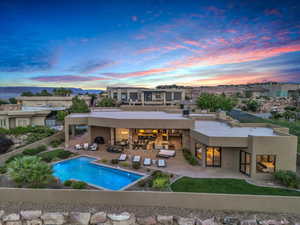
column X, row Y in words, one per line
column 134, row 18
column 67, row 78
column 91, row 66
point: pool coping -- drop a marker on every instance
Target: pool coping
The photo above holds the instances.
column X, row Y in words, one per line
column 144, row 175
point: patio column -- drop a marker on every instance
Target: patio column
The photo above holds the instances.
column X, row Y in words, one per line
column 67, row 138
column 130, row 138
column 73, row 130
column 89, row 130
column 112, row 136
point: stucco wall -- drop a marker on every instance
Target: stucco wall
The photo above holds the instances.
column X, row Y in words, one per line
column 257, row 203
column 230, row 158
column 99, row 131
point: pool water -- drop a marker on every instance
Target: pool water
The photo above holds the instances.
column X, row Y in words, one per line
column 82, row 169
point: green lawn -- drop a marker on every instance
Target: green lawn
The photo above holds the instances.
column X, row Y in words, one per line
column 226, row 186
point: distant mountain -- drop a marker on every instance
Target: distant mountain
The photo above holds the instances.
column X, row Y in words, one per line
column 9, row 92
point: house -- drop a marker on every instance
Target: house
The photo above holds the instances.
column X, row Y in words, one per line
column 256, row 150
column 146, row 96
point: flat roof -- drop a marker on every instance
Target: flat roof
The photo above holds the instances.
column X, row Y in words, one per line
column 221, row 129
column 131, row 115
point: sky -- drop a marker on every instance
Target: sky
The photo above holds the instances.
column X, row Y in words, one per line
column 94, row 44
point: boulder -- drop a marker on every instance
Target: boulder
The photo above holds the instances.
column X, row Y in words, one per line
column 210, row 221
column 229, row 220
column 185, row 221
column 149, row 220
column 11, row 217
column 31, row 214
column 54, row 218
column 98, row 217
column 248, row 222
column 34, row 222
column 122, row 219
column 80, row 218
column 165, row 220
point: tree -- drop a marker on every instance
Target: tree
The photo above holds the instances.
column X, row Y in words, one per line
column 289, row 115
column 62, row 92
column 27, row 93
column 275, row 115
column 30, row 171
column 106, row 102
column 248, row 94
column 44, row 93
column 214, row 102
column 12, row 101
column 61, row 115
column 252, row 105
column 5, row 144
column 2, row 102
column 79, row 106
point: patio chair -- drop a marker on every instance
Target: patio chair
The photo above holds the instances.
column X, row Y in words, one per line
column 93, row 147
column 86, row 146
column 147, row 162
column 161, row 163
column 136, row 158
column 122, row 157
column 78, row 147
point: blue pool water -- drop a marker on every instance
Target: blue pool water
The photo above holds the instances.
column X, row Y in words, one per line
column 82, row 169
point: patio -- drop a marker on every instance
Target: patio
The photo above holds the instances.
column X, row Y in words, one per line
column 176, row 165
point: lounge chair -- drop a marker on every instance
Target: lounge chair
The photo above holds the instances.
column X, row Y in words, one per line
column 93, row 147
column 161, row 163
column 86, row 146
column 166, row 153
column 78, row 147
column 136, row 158
column 122, row 157
column 147, row 162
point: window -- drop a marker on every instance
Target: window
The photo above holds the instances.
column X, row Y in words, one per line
column 169, row 96
column 133, row 96
column 148, row 96
column 157, row 95
column 245, row 162
column 115, row 95
column 265, row 163
column 124, row 96
column 177, row 95
column 213, row 157
column 3, row 123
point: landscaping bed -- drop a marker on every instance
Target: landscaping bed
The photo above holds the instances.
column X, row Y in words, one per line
column 227, row 186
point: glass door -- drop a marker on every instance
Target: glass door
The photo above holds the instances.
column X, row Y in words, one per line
column 245, row 163
column 213, row 157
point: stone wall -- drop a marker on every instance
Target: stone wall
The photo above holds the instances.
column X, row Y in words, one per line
column 37, row 217
column 47, row 140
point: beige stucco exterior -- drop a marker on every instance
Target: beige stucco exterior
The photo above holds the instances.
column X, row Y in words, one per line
column 279, row 143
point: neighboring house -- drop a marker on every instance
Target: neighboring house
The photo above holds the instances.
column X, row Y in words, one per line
column 145, row 96
column 49, row 101
column 19, row 118
column 217, row 141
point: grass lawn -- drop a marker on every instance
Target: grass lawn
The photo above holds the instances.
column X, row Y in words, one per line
column 226, row 186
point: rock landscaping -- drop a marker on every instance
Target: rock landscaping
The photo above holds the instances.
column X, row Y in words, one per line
column 37, row 217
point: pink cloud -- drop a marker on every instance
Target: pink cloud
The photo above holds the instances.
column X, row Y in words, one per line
column 67, row 78
column 272, row 12
column 134, row 18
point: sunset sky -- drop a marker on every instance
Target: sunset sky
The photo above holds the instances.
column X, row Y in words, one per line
column 94, row 44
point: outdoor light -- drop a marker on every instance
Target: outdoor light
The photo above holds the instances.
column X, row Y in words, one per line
column 142, row 131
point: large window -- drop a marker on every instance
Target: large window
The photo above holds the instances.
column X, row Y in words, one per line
column 213, row 157
column 133, row 96
column 115, row 95
column 124, row 96
column 169, row 96
column 3, row 123
column 265, row 163
column 177, row 95
column 245, row 162
column 148, row 96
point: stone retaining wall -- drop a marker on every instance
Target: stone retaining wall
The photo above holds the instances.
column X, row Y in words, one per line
column 47, row 140
column 37, row 217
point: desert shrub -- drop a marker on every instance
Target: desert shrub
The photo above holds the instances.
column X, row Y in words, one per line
column 124, row 164
column 136, row 165
column 78, row 185
column 68, row 183
column 55, row 143
column 114, row 161
column 287, row 178
column 157, row 173
column 55, row 154
column 161, row 182
column 30, row 171
column 5, row 144
column 64, row 154
column 190, row 158
column 142, row 183
column 3, row 169
column 35, row 151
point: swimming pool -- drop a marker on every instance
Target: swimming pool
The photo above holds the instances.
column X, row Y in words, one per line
column 82, row 169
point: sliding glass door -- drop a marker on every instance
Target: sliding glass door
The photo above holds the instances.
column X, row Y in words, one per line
column 245, row 163
column 213, row 157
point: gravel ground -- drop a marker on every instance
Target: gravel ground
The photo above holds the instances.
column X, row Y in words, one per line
column 141, row 211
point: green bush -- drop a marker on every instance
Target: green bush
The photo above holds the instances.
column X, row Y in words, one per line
column 136, row 165
column 157, row 173
column 19, row 155
column 64, row 154
column 114, row 161
column 35, row 151
column 68, row 183
column 142, row 183
column 55, row 143
column 287, row 178
column 161, row 182
column 78, row 185
column 3, row 169
column 124, row 164
column 55, row 154
column 189, row 157
column 104, row 160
